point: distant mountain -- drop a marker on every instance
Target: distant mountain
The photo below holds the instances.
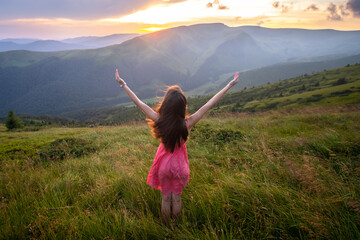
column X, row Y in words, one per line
column 6, row 46
column 299, row 43
column 66, row 44
column 190, row 56
column 40, row 45
column 97, row 42
column 20, row 40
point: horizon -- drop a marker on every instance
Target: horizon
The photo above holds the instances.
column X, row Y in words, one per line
column 247, row 25
column 70, row 19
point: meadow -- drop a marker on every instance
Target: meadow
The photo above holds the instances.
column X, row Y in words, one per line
column 270, row 175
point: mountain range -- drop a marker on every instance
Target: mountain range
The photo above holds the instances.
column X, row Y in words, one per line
column 198, row 57
column 66, row 44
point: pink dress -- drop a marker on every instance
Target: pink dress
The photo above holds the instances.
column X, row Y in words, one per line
column 170, row 171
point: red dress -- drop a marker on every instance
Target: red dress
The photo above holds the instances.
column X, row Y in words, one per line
column 170, row 171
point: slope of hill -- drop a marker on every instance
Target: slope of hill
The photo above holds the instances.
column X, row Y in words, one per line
column 337, row 87
column 283, row 71
column 192, row 56
column 273, row 73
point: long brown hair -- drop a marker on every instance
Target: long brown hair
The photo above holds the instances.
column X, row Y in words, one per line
column 171, row 128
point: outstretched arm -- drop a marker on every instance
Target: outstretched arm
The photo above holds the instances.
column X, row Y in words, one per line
column 193, row 119
column 143, row 107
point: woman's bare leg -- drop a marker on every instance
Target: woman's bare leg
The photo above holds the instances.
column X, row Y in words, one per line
column 176, row 205
column 165, row 207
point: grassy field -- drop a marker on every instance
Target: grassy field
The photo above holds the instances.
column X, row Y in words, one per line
column 267, row 175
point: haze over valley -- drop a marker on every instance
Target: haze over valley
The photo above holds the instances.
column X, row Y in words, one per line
column 199, row 58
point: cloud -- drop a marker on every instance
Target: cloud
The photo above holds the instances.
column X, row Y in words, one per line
column 237, row 18
column 258, row 20
column 216, row 2
column 333, row 13
column 312, row 7
column 222, row 7
column 343, row 10
column 354, row 6
column 284, row 7
column 276, row 4
column 74, row 9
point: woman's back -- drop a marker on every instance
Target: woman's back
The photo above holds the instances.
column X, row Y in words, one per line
column 170, row 171
column 170, row 127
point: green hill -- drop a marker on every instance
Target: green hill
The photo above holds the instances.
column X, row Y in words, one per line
column 197, row 56
column 339, row 86
column 328, row 88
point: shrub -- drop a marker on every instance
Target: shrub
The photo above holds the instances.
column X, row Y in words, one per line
column 340, row 81
column 205, row 133
column 315, row 98
column 341, row 93
column 12, row 121
column 61, row 149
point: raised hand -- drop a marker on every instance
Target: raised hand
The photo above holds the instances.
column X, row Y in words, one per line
column 118, row 78
column 235, row 80
column 143, row 107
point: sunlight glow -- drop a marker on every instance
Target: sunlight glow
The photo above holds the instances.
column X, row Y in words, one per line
column 173, row 13
column 153, row 29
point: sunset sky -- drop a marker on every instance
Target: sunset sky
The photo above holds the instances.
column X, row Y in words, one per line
column 59, row 19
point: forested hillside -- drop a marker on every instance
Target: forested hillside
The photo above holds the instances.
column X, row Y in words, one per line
column 194, row 57
column 337, row 87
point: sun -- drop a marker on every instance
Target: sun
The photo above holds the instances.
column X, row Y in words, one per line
column 153, row 29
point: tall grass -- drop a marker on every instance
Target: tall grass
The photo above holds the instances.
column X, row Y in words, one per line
column 252, row 177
